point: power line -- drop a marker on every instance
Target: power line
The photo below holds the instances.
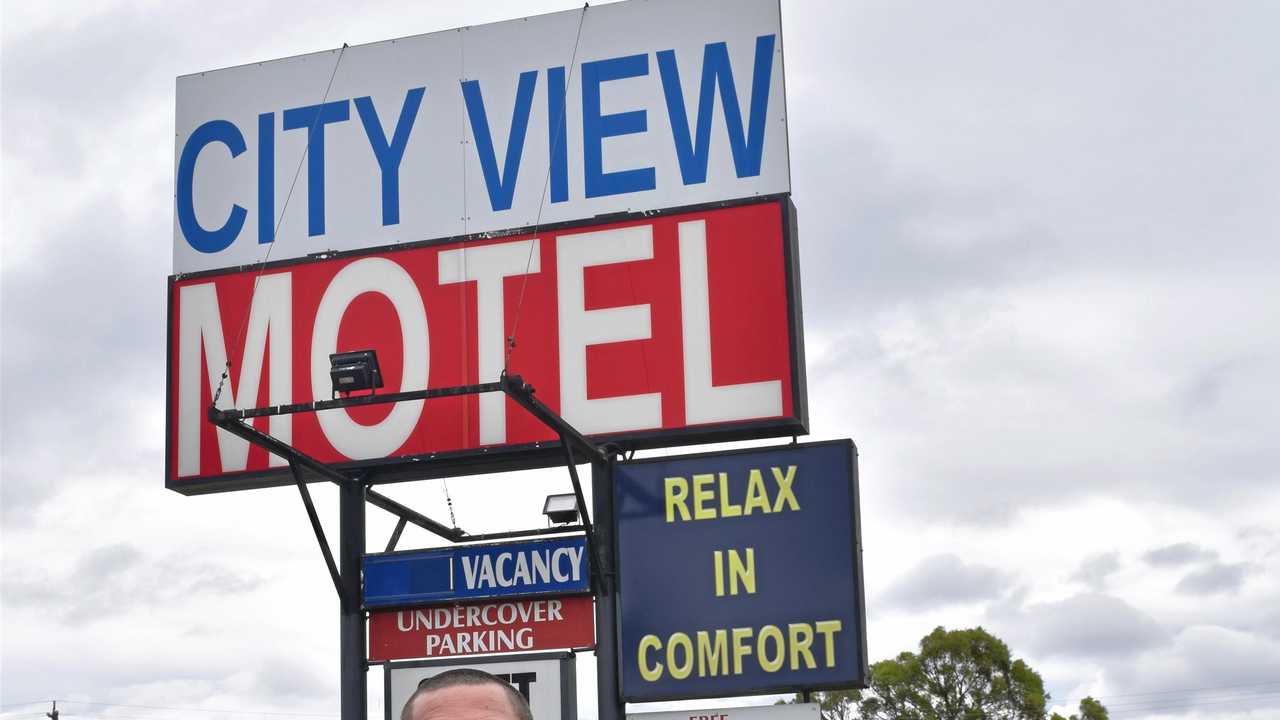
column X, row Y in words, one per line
column 101, row 715
column 1193, row 698
column 190, row 709
column 546, row 183
column 1173, row 705
column 33, row 702
column 1169, row 692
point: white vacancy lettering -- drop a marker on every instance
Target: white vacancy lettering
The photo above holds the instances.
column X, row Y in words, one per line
column 524, row 568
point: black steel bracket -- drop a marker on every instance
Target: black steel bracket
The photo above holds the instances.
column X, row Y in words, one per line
column 234, row 422
column 317, row 527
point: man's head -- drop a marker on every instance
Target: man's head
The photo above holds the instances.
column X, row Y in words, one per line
column 466, row 694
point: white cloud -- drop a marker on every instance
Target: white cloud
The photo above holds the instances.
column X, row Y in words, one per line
column 1039, row 278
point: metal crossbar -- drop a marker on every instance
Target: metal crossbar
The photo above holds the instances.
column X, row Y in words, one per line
column 235, row 422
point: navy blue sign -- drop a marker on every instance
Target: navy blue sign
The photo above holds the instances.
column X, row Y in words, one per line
column 538, row 567
column 740, row 573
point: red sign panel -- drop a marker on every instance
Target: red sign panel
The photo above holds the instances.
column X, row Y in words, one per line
column 482, row 628
column 651, row 331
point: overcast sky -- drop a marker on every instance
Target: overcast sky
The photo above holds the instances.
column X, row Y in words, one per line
column 1040, row 249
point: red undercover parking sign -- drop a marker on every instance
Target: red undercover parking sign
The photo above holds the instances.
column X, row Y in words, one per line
column 482, row 628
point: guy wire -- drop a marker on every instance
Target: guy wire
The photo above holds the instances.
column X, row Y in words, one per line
column 524, row 283
column 275, row 231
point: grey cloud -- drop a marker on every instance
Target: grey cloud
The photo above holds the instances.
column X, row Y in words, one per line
column 1268, row 624
column 1216, row 578
column 1178, row 554
column 942, row 189
column 104, row 562
column 119, row 579
column 88, row 318
column 1095, row 570
column 1256, row 533
column 283, row 677
column 884, row 240
column 262, row 680
column 1087, row 626
column 1262, row 543
column 1200, row 656
column 945, row 580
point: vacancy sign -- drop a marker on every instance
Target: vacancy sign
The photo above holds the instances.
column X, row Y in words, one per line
column 482, row 628
column 530, row 567
column 652, row 331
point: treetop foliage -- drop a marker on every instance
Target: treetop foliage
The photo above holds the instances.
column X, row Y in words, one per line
column 956, row 675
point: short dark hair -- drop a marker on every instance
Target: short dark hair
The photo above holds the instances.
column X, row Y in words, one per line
column 468, row 676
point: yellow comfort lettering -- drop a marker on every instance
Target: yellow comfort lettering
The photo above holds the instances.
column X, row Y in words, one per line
column 649, row 672
column 713, row 655
column 828, row 629
column 680, row 670
column 735, row 651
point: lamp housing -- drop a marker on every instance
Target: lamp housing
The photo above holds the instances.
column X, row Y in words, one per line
column 357, row 370
column 561, row 509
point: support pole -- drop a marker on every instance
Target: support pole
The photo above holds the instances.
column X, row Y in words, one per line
column 351, row 541
column 609, row 703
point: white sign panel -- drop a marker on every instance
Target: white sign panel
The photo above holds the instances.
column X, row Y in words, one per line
column 798, row 711
column 624, row 107
column 547, row 680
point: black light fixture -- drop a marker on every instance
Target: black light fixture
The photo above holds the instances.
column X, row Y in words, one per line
column 561, row 508
column 356, row 370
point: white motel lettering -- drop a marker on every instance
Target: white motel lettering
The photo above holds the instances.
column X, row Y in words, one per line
column 271, row 348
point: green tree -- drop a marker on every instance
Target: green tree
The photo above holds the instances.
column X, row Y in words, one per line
column 1090, row 709
column 956, row 675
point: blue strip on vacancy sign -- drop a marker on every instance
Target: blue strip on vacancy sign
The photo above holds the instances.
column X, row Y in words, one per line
column 537, row 567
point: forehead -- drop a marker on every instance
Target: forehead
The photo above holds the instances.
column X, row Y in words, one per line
column 464, row 702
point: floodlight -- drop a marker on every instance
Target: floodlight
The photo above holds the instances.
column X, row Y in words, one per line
column 356, row 370
column 561, row 508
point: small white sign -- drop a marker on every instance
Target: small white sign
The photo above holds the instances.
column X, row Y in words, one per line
column 798, row 711
column 548, row 682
